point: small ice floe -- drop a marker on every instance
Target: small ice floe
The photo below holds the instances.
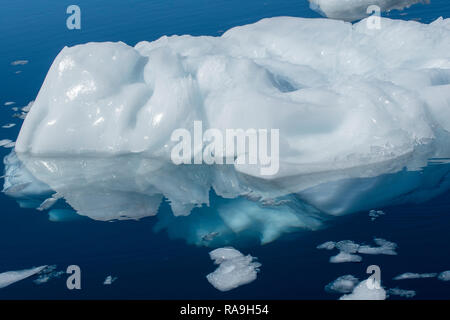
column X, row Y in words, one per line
column 19, row 62
column 345, row 257
column 444, row 276
column 109, row 280
column 27, row 108
column 401, row 293
column 6, row 143
column 348, row 250
column 383, row 247
column 9, row 103
column 10, row 277
column 234, row 269
column 210, row 236
column 343, row 284
column 411, row 275
column 329, row 245
column 47, row 274
column 8, row 125
column 18, row 71
column 365, row 291
column 48, row 203
column 374, row 214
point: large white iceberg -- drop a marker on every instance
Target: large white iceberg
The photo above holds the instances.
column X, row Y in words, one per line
column 352, row 10
column 360, row 113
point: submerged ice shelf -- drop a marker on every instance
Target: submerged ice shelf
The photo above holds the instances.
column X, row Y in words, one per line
column 360, row 113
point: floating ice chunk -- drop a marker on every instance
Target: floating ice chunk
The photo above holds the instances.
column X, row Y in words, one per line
column 49, row 202
column 444, row 276
column 234, row 269
column 411, row 275
column 363, row 291
column 329, row 245
column 19, row 62
column 401, row 293
column 342, row 257
column 9, row 103
column 6, row 143
column 348, row 249
column 8, row 125
column 47, row 274
column 384, row 247
column 374, row 214
column 352, row 10
column 27, row 108
column 343, row 284
column 109, row 280
column 347, row 246
column 10, row 277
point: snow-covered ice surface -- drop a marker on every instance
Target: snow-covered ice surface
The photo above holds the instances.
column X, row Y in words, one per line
column 352, row 10
column 234, row 269
column 9, row 277
column 99, row 131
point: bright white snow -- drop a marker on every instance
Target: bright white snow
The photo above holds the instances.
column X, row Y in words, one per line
column 234, row 269
column 109, row 280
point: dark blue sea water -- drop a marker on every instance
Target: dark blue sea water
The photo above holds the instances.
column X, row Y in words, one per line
column 150, row 265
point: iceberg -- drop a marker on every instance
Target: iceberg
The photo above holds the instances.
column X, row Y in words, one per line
column 361, row 114
column 363, row 291
column 352, row 10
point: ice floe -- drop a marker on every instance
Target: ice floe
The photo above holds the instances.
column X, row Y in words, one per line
column 109, row 280
column 374, row 214
column 19, row 62
column 343, row 284
column 234, row 269
column 444, row 276
column 10, row 277
column 401, row 293
column 411, row 275
column 48, row 273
